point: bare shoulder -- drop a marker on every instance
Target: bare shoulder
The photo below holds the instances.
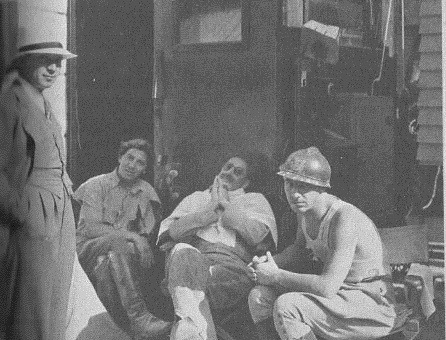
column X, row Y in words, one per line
column 349, row 213
column 346, row 221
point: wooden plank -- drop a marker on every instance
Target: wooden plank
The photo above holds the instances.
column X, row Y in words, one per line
column 430, row 120
column 430, row 154
column 436, row 245
column 430, row 25
column 430, row 97
column 430, row 43
column 432, row 134
column 430, row 61
column 436, row 253
column 430, row 116
column 432, row 7
column 435, row 227
column 430, row 79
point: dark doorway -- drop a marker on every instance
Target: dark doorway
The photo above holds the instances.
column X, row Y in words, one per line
column 114, row 41
column 2, row 61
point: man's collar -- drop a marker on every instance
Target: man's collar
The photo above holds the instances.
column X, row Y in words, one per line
column 116, row 180
column 35, row 95
column 236, row 193
column 233, row 193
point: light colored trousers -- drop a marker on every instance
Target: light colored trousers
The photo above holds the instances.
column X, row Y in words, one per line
column 187, row 277
column 210, row 275
column 351, row 314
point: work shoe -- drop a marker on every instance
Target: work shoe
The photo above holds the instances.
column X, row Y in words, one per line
column 151, row 328
column 185, row 329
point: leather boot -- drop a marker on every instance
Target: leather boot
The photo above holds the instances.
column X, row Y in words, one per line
column 144, row 325
column 266, row 331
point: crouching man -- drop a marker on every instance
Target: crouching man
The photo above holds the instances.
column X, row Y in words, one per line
column 115, row 240
column 350, row 297
column 217, row 232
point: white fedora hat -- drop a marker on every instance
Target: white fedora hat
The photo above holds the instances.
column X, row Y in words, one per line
column 50, row 47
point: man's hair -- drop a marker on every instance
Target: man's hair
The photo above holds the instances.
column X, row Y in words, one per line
column 258, row 169
column 140, row 144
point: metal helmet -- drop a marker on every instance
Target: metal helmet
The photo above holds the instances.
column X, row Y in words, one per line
column 307, row 165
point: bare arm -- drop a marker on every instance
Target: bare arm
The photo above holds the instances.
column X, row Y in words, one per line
column 342, row 239
column 290, row 257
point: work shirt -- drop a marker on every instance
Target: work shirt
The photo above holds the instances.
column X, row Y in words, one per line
column 214, row 264
column 107, row 202
column 253, row 204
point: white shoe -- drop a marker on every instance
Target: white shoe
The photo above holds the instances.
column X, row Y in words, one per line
column 185, row 329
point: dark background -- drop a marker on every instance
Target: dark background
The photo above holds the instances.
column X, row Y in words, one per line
column 114, row 43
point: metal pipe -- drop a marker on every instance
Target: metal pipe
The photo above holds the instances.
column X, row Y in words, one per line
column 386, row 32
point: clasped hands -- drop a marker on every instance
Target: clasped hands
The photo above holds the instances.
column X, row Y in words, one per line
column 219, row 196
column 263, row 270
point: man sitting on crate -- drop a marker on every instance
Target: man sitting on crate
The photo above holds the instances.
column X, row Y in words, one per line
column 217, row 231
column 115, row 241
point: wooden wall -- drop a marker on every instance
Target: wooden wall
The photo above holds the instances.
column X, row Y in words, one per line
column 220, row 101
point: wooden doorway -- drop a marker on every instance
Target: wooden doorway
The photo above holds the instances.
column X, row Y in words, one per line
column 114, row 77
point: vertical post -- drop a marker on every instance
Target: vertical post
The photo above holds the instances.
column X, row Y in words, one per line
column 8, row 33
column 73, row 138
column 158, row 98
column 2, row 44
column 399, row 46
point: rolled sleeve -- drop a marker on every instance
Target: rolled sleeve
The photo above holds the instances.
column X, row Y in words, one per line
column 89, row 195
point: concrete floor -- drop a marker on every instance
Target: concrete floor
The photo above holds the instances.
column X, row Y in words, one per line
column 90, row 321
column 88, row 318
